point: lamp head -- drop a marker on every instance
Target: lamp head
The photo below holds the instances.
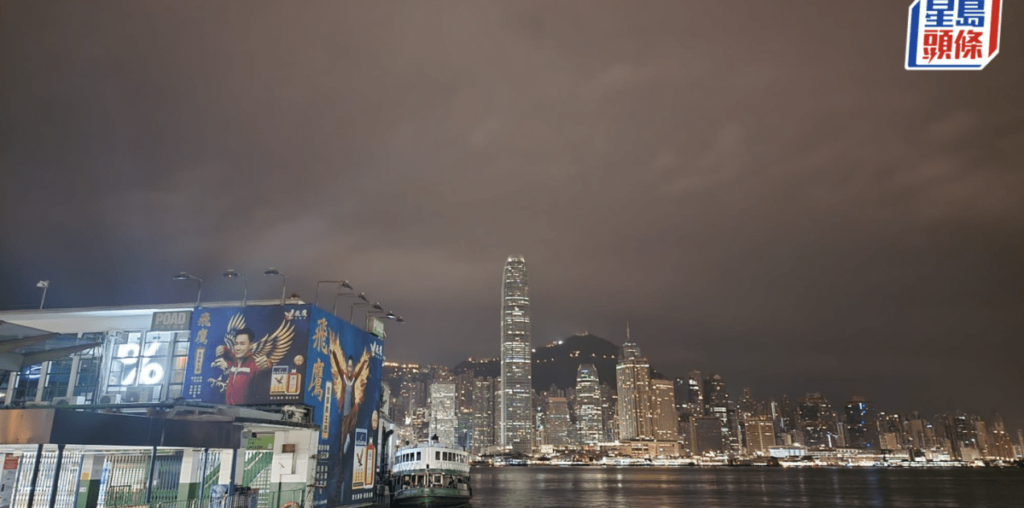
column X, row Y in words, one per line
column 230, row 274
column 182, row 276
column 376, row 306
column 362, row 296
column 272, row 271
column 345, row 284
column 390, row 315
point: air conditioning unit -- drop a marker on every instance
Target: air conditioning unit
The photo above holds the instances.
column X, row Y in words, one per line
column 138, row 394
column 110, row 398
column 77, row 400
column 295, row 414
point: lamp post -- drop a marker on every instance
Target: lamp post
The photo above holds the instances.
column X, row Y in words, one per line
column 284, row 280
column 186, row 276
column 334, row 310
column 352, row 308
column 231, row 274
column 45, row 284
column 341, row 283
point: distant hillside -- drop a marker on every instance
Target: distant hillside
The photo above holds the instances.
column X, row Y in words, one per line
column 556, row 364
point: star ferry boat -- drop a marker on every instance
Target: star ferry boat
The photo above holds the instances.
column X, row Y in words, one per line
column 430, row 475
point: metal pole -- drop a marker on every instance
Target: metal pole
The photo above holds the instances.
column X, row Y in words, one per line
column 202, row 479
column 47, row 286
column 284, row 285
column 35, row 476
column 199, row 295
column 56, row 476
column 149, row 481
column 245, row 291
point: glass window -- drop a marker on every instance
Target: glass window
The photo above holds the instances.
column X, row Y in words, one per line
column 58, row 377
column 27, row 384
column 418, row 456
column 88, row 376
column 437, row 455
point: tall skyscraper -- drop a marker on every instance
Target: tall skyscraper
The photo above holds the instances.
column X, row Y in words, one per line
column 556, row 419
column 696, row 393
column 516, row 421
column 760, row 433
column 665, row 419
column 443, row 417
column 861, row 424
column 633, row 378
column 588, row 404
column 817, row 422
column 483, row 415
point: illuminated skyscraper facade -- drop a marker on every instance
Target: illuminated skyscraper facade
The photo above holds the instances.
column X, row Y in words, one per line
column 516, row 419
column 664, row 418
column 633, row 379
column 588, row 404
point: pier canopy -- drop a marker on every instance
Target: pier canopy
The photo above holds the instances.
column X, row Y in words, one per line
column 22, row 346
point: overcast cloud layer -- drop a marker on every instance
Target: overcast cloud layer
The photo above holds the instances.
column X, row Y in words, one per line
column 759, row 188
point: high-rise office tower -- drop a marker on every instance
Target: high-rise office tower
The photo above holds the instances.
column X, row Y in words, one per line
column 556, row 420
column 716, row 403
column 609, row 413
column 516, row 421
column 760, row 432
column 817, row 422
column 633, row 379
column 443, row 417
column 861, row 424
column 482, row 435
column 696, row 393
column 665, row 419
column 588, row 404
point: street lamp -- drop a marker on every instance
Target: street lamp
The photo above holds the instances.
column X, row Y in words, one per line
column 186, row 276
column 352, row 308
column 342, row 283
column 45, row 284
column 334, row 310
column 284, row 280
column 231, row 274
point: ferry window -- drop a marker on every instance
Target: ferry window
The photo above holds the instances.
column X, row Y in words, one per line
column 436, row 479
column 437, row 455
column 418, row 456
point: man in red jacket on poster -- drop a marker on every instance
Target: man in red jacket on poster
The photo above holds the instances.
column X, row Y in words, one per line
column 242, row 367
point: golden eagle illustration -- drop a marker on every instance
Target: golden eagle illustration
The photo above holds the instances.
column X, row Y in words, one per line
column 350, row 382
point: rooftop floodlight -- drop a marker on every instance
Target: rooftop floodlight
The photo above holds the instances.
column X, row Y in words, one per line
column 390, row 315
column 284, row 280
column 399, row 319
column 376, row 306
column 362, row 296
column 187, row 276
column 231, row 274
column 345, row 284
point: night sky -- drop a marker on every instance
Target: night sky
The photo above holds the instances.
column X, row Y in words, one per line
column 759, row 188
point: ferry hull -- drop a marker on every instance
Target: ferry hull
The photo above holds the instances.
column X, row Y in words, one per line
column 430, row 498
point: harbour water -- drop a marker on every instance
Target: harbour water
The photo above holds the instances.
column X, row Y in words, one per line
column 643, row 487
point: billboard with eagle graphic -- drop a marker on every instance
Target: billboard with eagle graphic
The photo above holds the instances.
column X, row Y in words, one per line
column 297, row 354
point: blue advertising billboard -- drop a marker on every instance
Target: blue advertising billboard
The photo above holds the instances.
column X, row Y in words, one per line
column 247, row 355
column 298, row 354
column 344, row 391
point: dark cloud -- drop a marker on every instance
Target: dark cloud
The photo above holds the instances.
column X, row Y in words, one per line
column 758, row 187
